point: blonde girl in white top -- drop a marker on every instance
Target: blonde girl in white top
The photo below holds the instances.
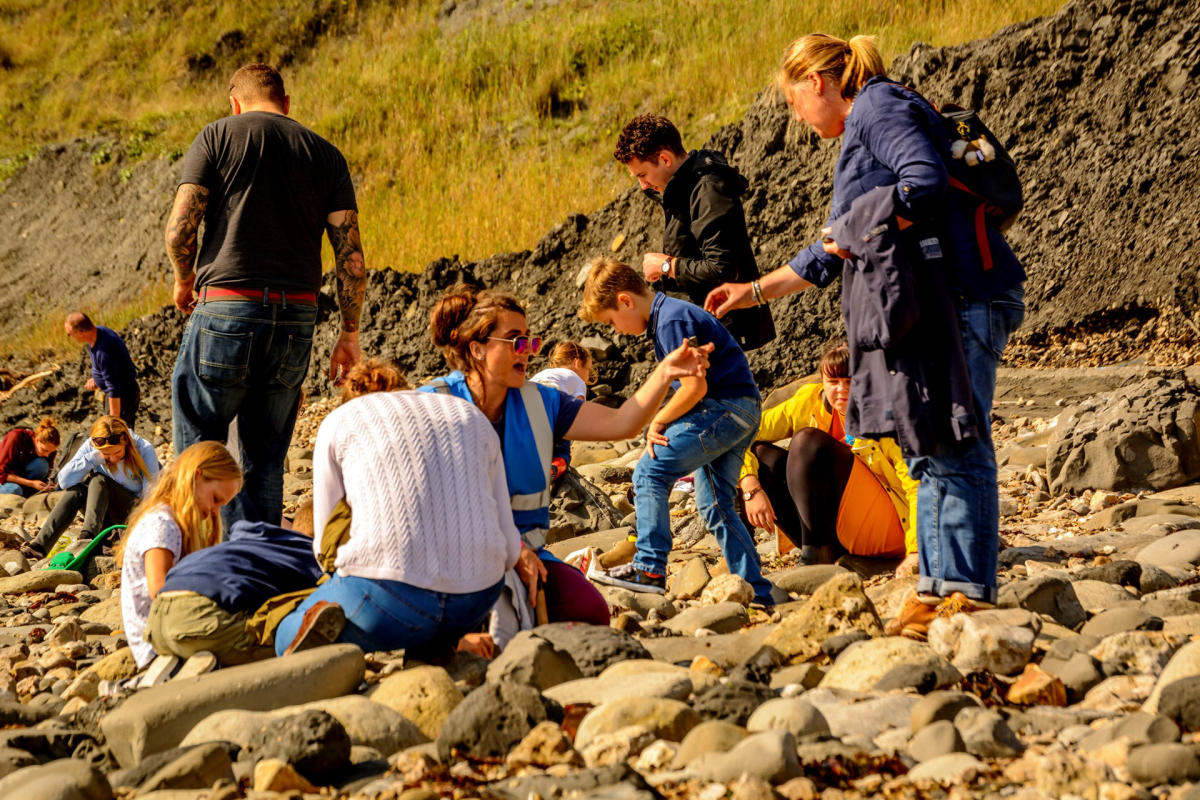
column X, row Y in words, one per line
column 180, row 515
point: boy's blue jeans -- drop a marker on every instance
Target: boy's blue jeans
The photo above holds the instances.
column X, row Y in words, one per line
column 390, row 615
column 958, row 506
column 710, row 440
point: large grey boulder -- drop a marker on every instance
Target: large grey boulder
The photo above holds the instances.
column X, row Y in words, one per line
column 493, row 718
column 1139, row 436
column 65, row 778
column 41, row 580
column 533, row 661
column 1046, row 594
column 593, row 647
column 158, row 719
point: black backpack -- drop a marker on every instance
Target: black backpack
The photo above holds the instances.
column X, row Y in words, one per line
column 986, row 171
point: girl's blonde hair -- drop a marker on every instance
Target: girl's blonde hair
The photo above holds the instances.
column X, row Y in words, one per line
column 176, row 489
column 565, row 354
column 109, row 425
column 850, row 63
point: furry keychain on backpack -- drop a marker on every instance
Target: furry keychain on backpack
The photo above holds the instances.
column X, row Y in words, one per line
column 973, row 152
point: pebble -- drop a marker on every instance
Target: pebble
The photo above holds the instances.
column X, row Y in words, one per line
column 947, row 769
column 935, row 739
column 865, row 663
column 1035, row 686
column 1156, row 764
column 710, row 736
column 974, row 642
column 727, row 589
column 987, row 734
column 939, row 706
column 838, row 606
column 572, row 708
column 770, row 755
column 793, row 715
column 425, row 695
column 666, row 719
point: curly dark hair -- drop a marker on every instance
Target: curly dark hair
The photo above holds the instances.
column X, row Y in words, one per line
column 645, row 137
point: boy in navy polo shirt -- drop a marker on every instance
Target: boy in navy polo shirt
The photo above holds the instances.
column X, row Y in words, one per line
column 704, row 428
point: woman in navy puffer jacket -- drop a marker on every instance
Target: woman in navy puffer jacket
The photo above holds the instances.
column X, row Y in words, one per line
column 892, row 137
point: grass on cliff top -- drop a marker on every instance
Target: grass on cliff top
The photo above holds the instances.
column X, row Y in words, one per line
column 469, row 137
column 45, row 340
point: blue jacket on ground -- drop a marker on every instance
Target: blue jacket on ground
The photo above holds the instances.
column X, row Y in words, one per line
column 893, row 137
column 258, row 562
column 112, row 367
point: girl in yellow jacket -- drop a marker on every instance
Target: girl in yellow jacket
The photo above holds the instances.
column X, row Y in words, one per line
column 829, row 489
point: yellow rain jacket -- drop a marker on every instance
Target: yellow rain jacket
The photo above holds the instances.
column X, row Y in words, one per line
column 807, row 409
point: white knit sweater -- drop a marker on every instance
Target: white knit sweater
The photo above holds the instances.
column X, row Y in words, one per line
column 424, row 478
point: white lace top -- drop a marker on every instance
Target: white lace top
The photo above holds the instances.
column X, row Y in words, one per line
column 156, row 529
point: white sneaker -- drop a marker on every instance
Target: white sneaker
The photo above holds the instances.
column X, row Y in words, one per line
column 197, row 664
column 627, row 576
column 159, row 672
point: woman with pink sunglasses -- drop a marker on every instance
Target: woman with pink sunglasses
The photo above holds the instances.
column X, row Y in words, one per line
column 485, row 339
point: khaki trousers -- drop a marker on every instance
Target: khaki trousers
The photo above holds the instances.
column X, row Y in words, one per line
column 184, row 623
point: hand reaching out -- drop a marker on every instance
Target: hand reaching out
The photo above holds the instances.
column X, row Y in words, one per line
column 687, row 361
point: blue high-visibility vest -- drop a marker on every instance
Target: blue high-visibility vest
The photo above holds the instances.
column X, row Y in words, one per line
column 528, row 448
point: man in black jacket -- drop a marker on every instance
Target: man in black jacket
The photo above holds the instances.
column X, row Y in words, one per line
column 705, row 241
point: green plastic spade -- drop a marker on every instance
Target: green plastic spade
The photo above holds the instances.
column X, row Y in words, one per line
column 73, row 561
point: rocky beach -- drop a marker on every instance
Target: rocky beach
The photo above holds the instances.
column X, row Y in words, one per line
column 1084, row 682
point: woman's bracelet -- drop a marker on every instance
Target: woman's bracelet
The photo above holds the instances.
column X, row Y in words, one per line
column 756, row 288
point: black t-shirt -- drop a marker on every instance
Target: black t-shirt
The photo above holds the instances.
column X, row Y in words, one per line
column 271, row 183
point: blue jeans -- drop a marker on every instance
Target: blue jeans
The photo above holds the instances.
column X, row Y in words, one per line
column 246, row 360
column 709, row 440
column 390, row 615
column 35, row 470
column 958, row 506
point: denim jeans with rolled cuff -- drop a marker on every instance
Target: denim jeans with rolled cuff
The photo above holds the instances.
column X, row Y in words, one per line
column 710, row 440
column 36, row 469
column 390, row 615
column 958, row 505
column 245, row 360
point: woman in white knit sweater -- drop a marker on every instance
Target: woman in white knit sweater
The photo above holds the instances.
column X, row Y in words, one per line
column 427, row 554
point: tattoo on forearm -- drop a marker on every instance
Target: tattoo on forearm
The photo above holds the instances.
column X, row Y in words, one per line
column 349, row 267
column 183, row 227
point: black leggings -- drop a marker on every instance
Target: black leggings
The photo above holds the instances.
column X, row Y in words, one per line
column 102, row 500
column 805, row 484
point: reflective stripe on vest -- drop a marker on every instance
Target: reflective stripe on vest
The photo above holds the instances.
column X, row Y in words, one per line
column 543, row 438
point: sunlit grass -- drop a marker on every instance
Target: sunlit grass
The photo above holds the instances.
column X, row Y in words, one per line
column 465, row 143
column 46, row 339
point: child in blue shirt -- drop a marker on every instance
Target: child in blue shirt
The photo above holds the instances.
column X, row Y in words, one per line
column 704, row 428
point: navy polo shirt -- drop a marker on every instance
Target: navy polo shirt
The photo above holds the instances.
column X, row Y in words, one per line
column 258, row 562
column 112, row 368
column 672, row 321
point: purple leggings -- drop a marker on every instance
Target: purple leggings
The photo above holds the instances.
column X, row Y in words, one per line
column 571, row 597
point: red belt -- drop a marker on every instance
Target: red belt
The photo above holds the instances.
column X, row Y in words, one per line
column 265, row 296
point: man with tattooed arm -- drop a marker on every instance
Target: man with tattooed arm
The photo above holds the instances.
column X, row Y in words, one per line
column 266, row 188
